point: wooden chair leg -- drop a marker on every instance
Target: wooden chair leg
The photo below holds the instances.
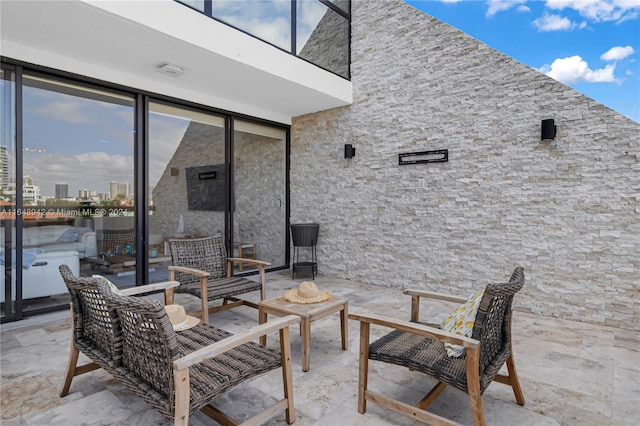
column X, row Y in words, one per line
column 263, row 282
column 513, row 378
column 363, row 367
column 204, row 300
column 287, row 378
column 473, row 386
column 431, row 396
column 168, row 297
column 182, row 390
column 71, row 369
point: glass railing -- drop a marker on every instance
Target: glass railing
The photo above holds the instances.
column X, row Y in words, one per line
column 317, row 31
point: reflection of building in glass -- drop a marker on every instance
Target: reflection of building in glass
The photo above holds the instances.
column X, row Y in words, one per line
column 328, row 44
column 62, row 191
column 30, row 192
column 116, row 188
column 4, row 169
column 86, row 194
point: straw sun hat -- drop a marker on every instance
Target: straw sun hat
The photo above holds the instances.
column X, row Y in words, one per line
column 307, row 292
column 179, row 318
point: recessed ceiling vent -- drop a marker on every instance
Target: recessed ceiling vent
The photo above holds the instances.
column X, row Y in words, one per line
column 171, row 70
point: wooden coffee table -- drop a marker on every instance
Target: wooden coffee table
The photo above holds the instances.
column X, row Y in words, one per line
column 307, row 313
column 121, row 262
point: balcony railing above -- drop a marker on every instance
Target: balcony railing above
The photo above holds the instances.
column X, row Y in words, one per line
column 318, row 31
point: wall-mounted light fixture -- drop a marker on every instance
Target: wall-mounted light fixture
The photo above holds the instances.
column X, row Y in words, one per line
column 548, row 130
column 417, row 157
column 349, row 151
column 171, row 70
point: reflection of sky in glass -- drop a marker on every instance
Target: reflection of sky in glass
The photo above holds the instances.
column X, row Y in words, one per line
column 308, row 16
column 269, row 20
column 165, row 133
column 196, row 4
column 7, row 115
column 85, row 143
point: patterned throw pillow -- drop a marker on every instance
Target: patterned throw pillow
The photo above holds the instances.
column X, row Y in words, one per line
column 461, row 322
column 114, row 287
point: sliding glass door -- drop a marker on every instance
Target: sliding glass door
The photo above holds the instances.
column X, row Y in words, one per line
column 187, row 179
column 259, row 171
column 77, row 189
column 99, row 179
column 7, row 193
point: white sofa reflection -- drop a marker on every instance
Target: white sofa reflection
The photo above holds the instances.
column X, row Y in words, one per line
column 53, row 238
column 40, row 274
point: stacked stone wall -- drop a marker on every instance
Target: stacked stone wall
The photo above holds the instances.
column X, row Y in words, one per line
column 567, row 210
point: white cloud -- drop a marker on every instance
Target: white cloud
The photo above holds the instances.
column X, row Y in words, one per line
column 267, row 19
column 617, row 53
column 496, row 6
column 600, row 10
column 91, row 170
column 574, row 69
column 523, row 8
column 553, row 23
column 70, row 110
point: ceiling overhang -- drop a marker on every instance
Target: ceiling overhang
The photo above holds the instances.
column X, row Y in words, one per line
column 126, row 42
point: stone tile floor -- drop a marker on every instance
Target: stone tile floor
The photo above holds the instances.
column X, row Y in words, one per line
column 571, row 373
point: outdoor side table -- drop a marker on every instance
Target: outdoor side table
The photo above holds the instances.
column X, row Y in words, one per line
column 307, row 313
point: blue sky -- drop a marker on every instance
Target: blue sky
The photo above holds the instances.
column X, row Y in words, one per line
column 590, row 45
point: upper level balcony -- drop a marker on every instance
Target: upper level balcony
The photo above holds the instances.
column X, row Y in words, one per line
column 231, row 62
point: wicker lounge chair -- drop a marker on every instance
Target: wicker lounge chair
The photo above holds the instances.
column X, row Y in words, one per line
column 203, row 270
column 420, row 347
column 175, row 372
column 114, row 241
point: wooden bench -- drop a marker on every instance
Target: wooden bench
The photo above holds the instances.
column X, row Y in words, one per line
column 175, row 372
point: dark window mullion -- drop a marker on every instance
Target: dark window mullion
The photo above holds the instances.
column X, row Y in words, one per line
column 19, row 199
column 294, row 27
column 332, row 6
column 229, row 164
column 141, row 161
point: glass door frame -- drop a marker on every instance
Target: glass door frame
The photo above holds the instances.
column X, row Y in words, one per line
column 141, row 168
column 14, row 301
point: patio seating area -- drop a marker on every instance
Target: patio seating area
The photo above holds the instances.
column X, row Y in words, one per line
column 570, row 372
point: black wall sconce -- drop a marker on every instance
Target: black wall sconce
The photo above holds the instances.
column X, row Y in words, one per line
column 349, row 151
column 548, row 130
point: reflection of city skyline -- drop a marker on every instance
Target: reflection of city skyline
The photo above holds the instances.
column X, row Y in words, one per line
column 32, row 192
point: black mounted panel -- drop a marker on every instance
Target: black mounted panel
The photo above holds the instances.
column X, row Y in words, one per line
column 437, row 156
column 206, row 188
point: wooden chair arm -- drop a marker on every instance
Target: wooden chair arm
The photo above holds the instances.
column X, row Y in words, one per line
column 192, row 271
column 246, row 260
column 165, row 285
column 433, row 295
column 231, row 342
column 415, row 300
column 419, row 329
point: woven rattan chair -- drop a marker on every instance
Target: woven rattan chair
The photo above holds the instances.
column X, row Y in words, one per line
column 93, row 332
column 177, row 373
column 420, row 347
column 114, row 241
column 203, row 270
